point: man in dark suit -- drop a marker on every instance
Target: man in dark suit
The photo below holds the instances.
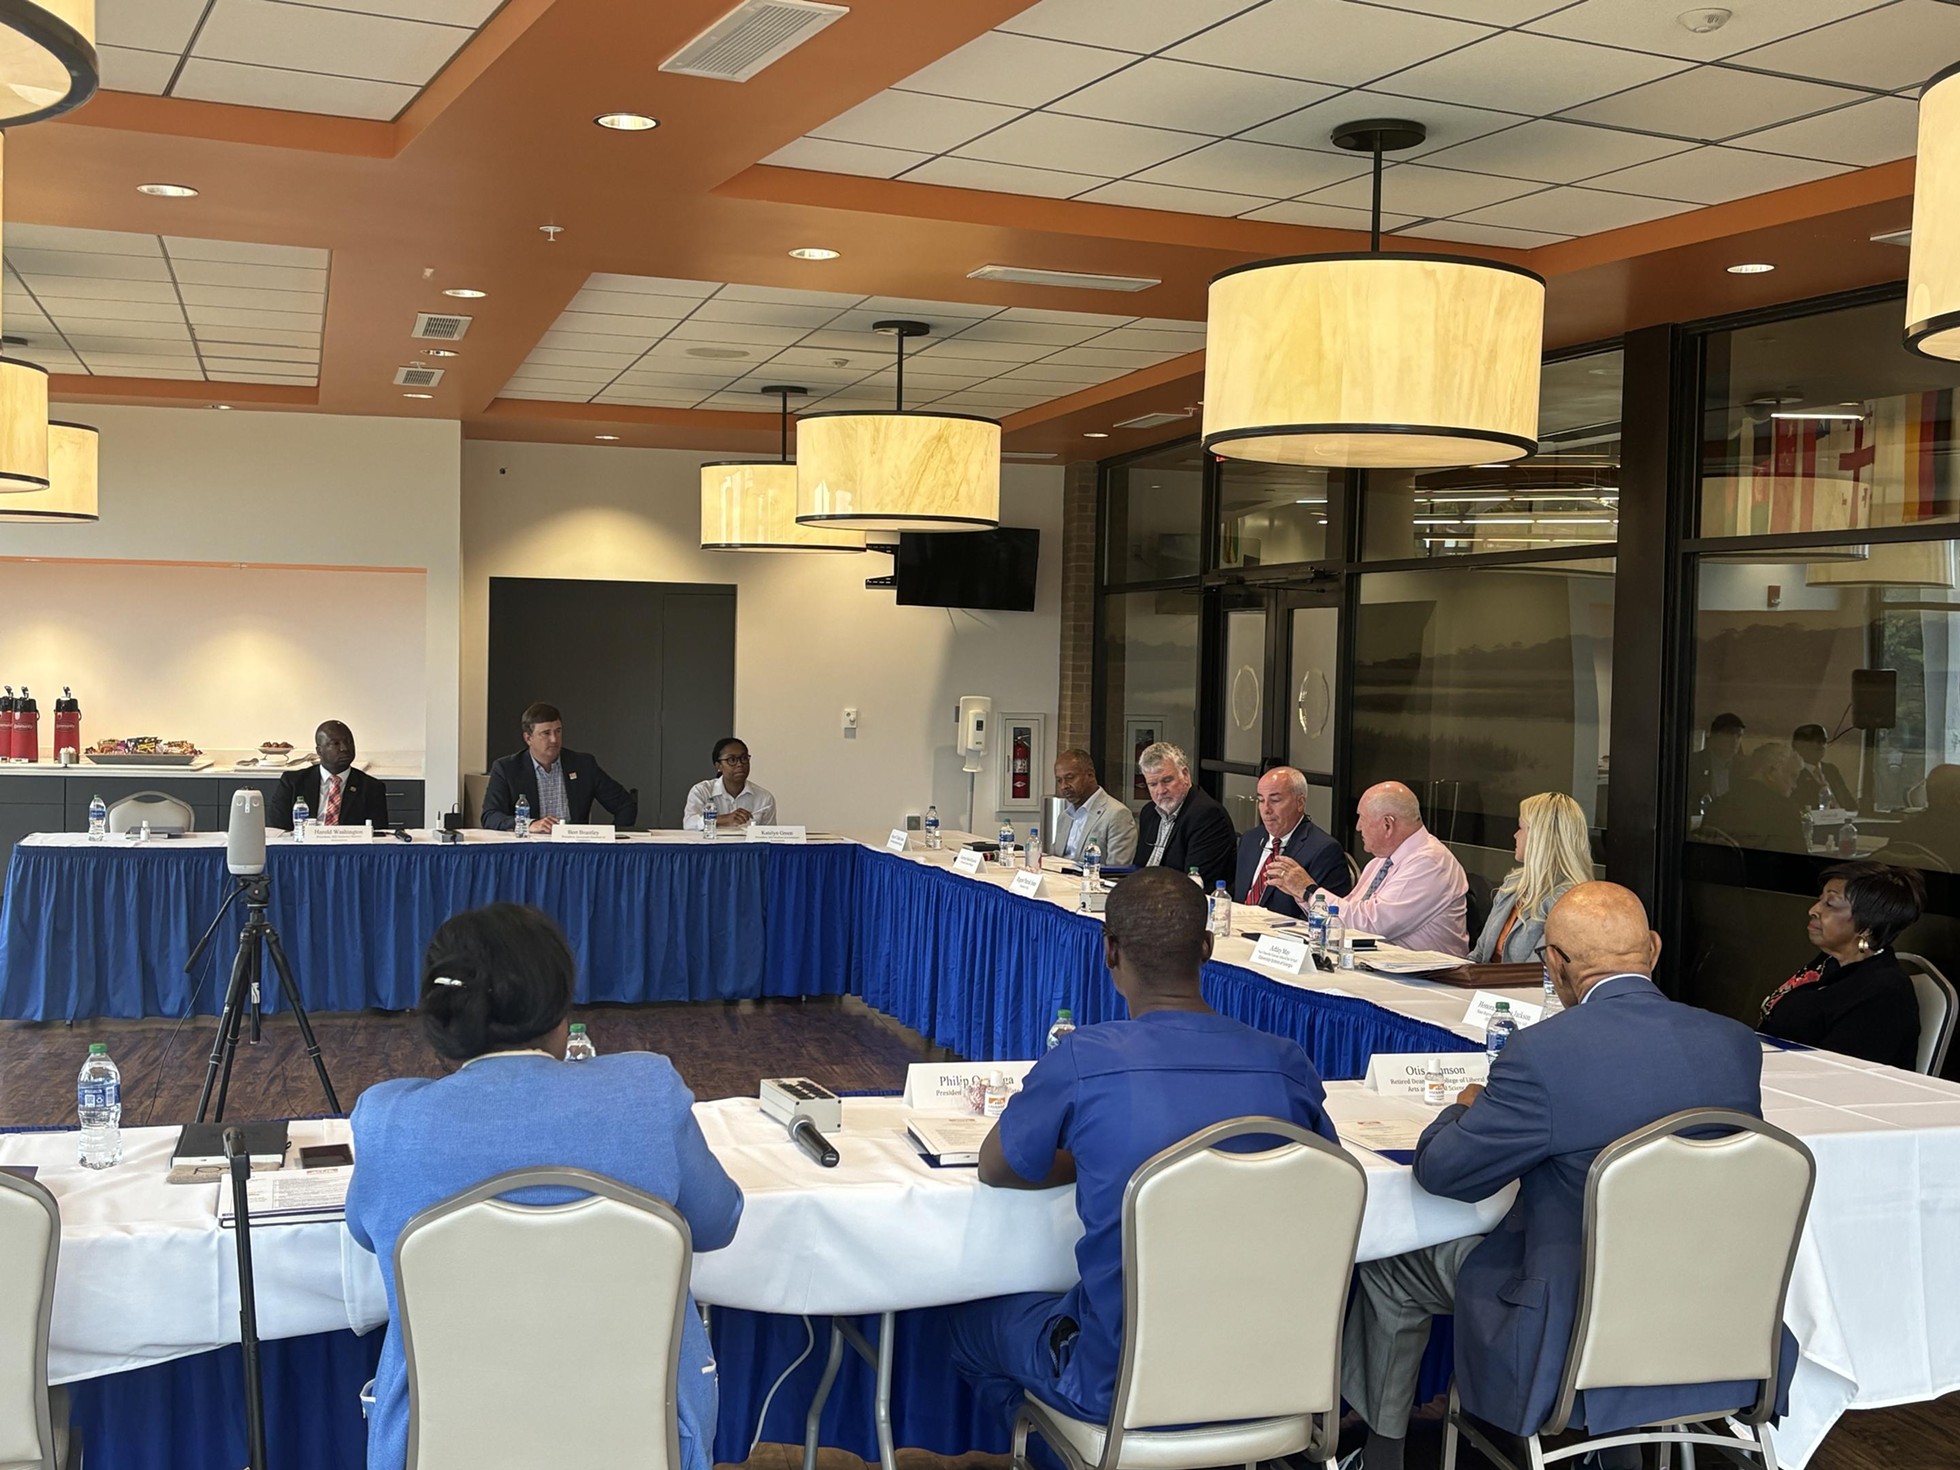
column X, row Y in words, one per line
column 334, row 792
column 560, row 784
column 1819, row 783
column 1710, row 768
column 1930, row 837
column 1618, row 1057
column 1760, row 810
column 1183, row 827
column 1286, row 856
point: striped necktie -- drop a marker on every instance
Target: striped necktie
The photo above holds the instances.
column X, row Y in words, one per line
column 330, row 805
column 1375, row 885
column 1258, row 888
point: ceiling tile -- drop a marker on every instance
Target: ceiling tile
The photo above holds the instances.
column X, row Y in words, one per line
column 1167, row 324
column 95, row 288
column 303, row 302
column 1066, row 376
column 1006, row 328
column 1106, row 148
column 1134, row 195
column 149, row 349
column 1655, row 27
column 119, row 367
column 37, row 266
column 806, row 358
column 1327, row 40
column 652, row 285
column 1456, row 231
column 1866, row 133
column 822, row 155
column 1324, row 216
column 255, row 352
column 1713, row 102
column 767, row 314
column 291, row 279
column 1418, row 190
column 732, row 402
column 81, row 242
column 1716, row 175
column 1891, row 47
column 1106, row 357
column 1197, row 99
column 1001, row 178
column 607, row 324
column 1140, row 26
column 979, row 349
column 470, row 13
column 927, row 310
column 230, row 316
column 803, row 375
column 787, row 296
column 225, row 332
column 80, row 310
column 1539, row 73
column 649, row 400
column 126, row 70
column 638, row 305
column 343, row 43
column 248, row 370
column 148, row 25
column 1265, row 170
column 124, row 329
column 610, row 363
column 1066, row 318
column 1555, row 152
column 1575, row 211
column 1312, row 127
column 573, row 372
column 1019, row 71
column 181, row 248
column 912, row 121
column 1138, row 339
column 536, row 395
column 290, row 91
column 734, row 333
column 1489, row 12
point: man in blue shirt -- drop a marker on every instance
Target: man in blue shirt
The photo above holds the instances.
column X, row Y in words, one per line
column 1098, row 1106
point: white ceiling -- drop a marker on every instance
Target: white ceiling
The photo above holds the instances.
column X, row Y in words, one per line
column 1547, row 118
column 352, row 58
column 116, row 305
column 639, row 340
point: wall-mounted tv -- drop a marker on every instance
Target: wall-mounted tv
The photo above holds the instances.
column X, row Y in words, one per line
column 977, row 569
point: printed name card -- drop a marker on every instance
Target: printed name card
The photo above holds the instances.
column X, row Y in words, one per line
column 1408, row 1076
column 779, row 834
column 582, row 832
column 362, row 833
column 1483, row 1005
column 970, row 860
column 1029, row 882
column 1279, row 952
column 896, row 842
column 955, row 1087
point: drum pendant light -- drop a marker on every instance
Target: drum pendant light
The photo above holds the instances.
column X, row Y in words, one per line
column 71, row 493
column 890, row 470
column 47, row 58
column 752, row 506
column 1933, row 275
column 1374, row 360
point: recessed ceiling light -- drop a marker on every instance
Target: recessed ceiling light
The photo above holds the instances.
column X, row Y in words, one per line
column 1751, row 268
column 1093, row 435
column 168, row 191
column 814, row 252
column 217, row 405
column 465, row 293
column 439, row 352
column 607, row 438
column 627, row 122
column 418, row 395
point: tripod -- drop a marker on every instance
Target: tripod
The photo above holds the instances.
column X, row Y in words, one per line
column 247, row 969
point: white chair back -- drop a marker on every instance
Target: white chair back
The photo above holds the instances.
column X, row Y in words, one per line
column 30, row 1242
column 1690, row 1242
column 164, row 813
column 1235, row 1278
column 503, row 1346
column 1938, row 1004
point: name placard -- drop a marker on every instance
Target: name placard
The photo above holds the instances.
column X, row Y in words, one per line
column 949, row 1087
column 1483, row 1005
column 777, row 834
column 582, row 832
column 1281, row 953
column 1408, row 1076
column 1029, row 882
column 330, row 835
column 896, row 842
column 969, row 861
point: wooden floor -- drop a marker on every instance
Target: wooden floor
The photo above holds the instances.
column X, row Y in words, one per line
column 720, row 1050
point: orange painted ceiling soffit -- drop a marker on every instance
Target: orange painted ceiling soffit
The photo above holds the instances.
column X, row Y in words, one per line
column 484, row 50
column 177, row 392
column 221, row 122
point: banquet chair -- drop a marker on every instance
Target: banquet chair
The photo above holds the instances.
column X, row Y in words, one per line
column 1675, row 1295
column 1354, row 870
column 1937, row 1006
column 163, row 812
column 1235, row 1283
column 498, row 1348
column 34, row 1432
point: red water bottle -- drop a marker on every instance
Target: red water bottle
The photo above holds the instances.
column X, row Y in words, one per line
column 27, row 727
column 68, row 725
column 7, row 724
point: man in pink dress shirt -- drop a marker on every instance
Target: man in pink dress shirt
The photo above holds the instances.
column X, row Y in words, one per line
column 1412, row 891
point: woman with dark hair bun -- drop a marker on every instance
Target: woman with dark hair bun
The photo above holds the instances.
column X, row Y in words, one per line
column 497, row 987
column 1853, row 997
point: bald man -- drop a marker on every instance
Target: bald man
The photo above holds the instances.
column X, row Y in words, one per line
column 1412, row 891
column 1760, row 810
column 1620, row 1056
column 1933, row 833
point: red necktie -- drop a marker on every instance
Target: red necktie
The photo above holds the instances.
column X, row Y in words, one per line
column 330, row 809
column 1258, row 888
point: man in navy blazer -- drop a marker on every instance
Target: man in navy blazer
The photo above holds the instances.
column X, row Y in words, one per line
column 1280, row 855
column 1618, row 1057
column 362, row 798
column 560, row 784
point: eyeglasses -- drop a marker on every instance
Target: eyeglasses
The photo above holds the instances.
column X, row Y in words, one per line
column 1539, row 953
column 733, row 760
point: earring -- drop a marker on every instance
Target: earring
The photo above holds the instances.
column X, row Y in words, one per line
column 1864, row 944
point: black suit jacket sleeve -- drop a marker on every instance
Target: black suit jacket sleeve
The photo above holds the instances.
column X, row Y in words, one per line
column 279, row 801
column 1328, row 866
column 1211, row 845
column 500, row 797
column 615, row 798
column 366, row 799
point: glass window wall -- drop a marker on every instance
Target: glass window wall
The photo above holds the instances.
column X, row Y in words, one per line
column 1150, row 681
column 1153, row 515
column 1271, row 515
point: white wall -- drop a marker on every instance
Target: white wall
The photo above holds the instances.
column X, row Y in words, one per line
column 287, row 491
column 810, row 638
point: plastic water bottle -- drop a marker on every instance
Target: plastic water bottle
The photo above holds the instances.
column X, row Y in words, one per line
column 302, row 818
column 1006, row 855
column 1064, row 1026
column 708, row 821
column 1499, row 1031
column 1221, row 911
column 932, row 829
column 521, row 818
column 1317, row 923
column 1031, row 854
column 578, row 1046
column 1092, row 866
column 98, row 1105
column 1336, row 941
column 1435, row 1090
column 98, row 819
column 1847, row 839
column 1196, row 877
column 1552, row 1002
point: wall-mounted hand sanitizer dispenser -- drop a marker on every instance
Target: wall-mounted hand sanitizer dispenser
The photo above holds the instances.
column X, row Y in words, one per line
column 976, row 713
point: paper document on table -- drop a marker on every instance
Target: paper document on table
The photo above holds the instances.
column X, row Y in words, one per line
column 1392, row 959
column 948, row 1138
column 1382, row 1134
column 291, row 1196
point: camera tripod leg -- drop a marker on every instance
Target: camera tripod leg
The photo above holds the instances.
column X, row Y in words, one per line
column 224, row 1046
column 291, row 989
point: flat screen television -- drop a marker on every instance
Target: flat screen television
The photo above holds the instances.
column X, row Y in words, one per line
column 978, row 569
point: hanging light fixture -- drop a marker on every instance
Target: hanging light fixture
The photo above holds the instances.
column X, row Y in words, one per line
column 1933, row 274
column 23, row 427
column 1374, row 360
column 752, row 507
column 47, row 58
column 71, row 492
column 890, row 470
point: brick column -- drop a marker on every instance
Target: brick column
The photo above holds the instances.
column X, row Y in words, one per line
column 1078, row 605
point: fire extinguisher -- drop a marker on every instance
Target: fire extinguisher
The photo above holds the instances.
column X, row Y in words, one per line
column 27, row 727
column 1021, row 763
column 68, row 726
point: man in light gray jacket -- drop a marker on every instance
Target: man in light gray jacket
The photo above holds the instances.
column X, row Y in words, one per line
column 1094, row 815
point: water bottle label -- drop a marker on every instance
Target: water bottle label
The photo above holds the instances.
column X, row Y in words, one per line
column 101, row 1093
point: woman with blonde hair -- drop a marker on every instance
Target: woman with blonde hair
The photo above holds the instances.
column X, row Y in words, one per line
column 1554, row 852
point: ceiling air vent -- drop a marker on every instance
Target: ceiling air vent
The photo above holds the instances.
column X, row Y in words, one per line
column 755, row 34
column 436, row 326
column 1152, row 420
column 417, row 377
column 1028, row 275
